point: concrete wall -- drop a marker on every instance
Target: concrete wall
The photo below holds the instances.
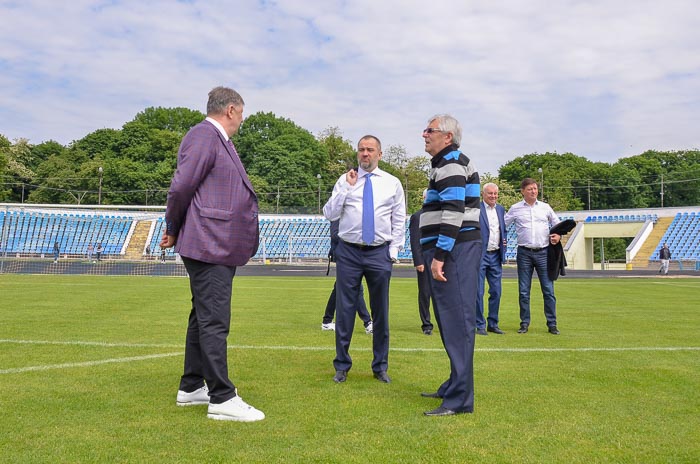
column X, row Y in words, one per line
column 579, row 249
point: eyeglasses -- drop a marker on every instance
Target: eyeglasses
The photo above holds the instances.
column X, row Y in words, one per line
column 430, row 130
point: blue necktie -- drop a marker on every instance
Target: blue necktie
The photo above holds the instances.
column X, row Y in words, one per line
column 367, row 211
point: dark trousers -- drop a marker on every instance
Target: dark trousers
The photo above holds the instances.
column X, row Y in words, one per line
column 209, row 324
column 490, row 269
column 454, row 303
column 352, row 264
column 424, row 298
column 361, row 307
column 528, row 261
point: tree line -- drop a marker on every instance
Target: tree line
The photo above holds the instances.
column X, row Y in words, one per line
column 293, row 170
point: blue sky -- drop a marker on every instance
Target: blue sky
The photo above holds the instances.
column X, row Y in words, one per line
column 601, row 79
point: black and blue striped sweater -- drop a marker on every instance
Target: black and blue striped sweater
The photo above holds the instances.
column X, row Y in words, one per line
column 451, row 207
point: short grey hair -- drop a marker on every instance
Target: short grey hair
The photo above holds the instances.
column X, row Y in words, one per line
column 448, row 123
column 488, row 184
column 220, row 98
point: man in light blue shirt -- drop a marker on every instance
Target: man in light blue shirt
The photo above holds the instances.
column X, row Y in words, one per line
column 533, row 219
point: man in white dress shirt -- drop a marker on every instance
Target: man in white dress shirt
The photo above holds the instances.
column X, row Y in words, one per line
column 369, row 203
column 493, row 255
column 533, row 219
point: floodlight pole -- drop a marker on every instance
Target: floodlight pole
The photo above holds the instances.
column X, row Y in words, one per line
column 278, row 199
column 318, row 176
column 541, row 183
column 99, row 190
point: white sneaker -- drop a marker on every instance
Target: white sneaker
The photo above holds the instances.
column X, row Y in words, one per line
column 199, row 396
column 234, row 409
column 370, row 328
column 329, row 326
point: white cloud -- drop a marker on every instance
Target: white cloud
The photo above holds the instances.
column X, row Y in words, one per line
column 600, row 79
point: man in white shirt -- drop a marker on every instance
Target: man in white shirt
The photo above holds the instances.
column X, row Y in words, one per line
column 533, row 219
column 493, row 255
column 369, row 203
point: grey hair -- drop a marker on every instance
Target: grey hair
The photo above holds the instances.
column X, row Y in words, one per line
column 488, row 184
column 220, row 98
column 448, row 123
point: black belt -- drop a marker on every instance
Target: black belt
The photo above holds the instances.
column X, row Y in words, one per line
column 492, row 251
column 532, row 249
column 360, row 246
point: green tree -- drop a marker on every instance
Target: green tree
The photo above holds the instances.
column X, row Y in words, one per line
column 676, row 174
column 142, row 143
column 619, row 188
column 44, row 151
column 611, row 249
column 286, row 156
column 648, row 168
column 556, row 173
column 176, row 120
column 5, row 178
column 507, row 194
column 341, row 156
column 62, row 179
column 18, row 170
column 412, row 171
column 124, row 181
column 102, row 142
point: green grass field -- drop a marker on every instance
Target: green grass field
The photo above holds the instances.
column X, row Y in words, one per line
column 89, row 368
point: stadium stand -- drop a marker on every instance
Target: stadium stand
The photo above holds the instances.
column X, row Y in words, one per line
column 30, row 233
column 302, row 238
column 280, row 238
column 623, row 218
column 683, row 238
column 27, row 232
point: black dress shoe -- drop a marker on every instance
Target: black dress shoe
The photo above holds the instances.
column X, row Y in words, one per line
column 522, row 329
column 481, row 332
column 340, row 376
column 440, row 411
column 495, row 330
column 382, row 377
column 430, row 395
column 553, row 330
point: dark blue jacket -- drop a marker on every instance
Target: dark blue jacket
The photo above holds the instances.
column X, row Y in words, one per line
column 484, row 225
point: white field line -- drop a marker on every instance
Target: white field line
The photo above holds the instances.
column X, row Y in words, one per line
column 326, row 348
column 87, row 343
column 477, row 350
column 288, row 348
column 18, row 370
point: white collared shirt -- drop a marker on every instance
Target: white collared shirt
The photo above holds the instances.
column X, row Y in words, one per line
column 532, row 223
column 389, row 209
column 218, row 125
column 494, row 228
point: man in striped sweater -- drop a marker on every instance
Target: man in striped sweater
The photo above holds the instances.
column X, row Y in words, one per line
column 451, row 243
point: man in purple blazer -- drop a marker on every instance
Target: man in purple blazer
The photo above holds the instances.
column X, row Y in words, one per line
column 212, row 220
column 493, row 255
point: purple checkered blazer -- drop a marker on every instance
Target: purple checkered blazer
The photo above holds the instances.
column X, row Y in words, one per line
column 212, row 208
